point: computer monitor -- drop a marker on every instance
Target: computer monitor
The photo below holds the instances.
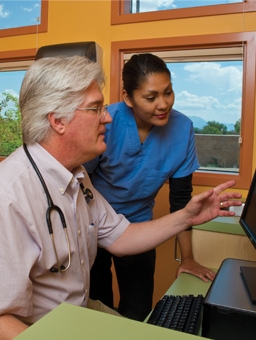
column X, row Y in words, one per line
column 248, row 223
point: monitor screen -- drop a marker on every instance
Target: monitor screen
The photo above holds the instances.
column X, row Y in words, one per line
column 248, row 217
column 248, row 223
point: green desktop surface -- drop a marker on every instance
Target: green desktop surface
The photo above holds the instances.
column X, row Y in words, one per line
column 227, row 225
column 188, row 284
column 69, row 322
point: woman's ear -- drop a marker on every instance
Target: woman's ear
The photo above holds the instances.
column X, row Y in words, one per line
column 58, row 124
column 127, row 99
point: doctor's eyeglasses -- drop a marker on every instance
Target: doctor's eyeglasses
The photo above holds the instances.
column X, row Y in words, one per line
column 101, row 111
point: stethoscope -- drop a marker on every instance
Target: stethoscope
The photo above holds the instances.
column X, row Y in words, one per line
column 88, row 195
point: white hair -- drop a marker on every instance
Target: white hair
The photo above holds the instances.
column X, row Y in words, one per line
column 56, row 85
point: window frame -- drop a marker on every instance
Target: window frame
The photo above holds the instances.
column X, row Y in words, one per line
column 16, row 60
column 248, row 39
column 33, row 29
column 120, row 12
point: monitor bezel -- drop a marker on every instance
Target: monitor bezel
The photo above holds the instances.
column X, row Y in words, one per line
column 242, row 220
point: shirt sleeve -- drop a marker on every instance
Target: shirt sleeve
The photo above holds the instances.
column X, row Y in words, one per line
column 187, row 148
column 180, row 192
column 110, row 224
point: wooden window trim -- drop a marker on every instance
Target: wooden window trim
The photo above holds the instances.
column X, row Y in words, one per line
column 119, row 48
column 120, row 12
column 18, row 55
column 41, row 28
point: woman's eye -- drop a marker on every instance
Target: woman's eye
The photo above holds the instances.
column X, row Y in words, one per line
column 169, row 93
column 150, row 99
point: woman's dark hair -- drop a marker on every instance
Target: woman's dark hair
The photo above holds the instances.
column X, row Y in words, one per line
column 137, row 69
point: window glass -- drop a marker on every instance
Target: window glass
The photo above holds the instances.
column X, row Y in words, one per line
column 10, row 130
column 14, row 14
column 210, row 93
column 140, row 6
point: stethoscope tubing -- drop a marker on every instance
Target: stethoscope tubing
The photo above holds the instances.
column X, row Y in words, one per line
column 51, row 207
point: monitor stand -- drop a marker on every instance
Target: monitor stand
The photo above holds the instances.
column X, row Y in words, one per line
column 249, row 277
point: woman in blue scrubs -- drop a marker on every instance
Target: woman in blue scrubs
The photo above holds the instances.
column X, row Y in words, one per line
column 148, row 143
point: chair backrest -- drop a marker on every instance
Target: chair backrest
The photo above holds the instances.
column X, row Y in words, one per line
column 87, row 49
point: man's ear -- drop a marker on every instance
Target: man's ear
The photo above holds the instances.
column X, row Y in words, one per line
column 58, row 124
column 127, row 99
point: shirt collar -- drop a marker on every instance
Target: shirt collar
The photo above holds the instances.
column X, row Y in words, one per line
column 53, row 170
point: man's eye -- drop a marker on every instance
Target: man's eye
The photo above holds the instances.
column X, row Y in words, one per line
column 169, row 93
column 94, row 109
column 150, row 99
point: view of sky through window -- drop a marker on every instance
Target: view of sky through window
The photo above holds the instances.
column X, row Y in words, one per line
column 10, row 82
column 205, row 91
column 19, row 13
column 209, row 90
column 138, row 6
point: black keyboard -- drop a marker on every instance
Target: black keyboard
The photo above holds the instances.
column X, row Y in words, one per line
column 181, row 313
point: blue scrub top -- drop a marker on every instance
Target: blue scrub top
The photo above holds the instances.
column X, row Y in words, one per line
column 129, row 174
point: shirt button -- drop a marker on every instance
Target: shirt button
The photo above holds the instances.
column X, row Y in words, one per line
column 79, row 232
column 62, row 190
column 82, row 261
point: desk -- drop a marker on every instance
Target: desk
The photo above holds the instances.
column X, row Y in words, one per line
column 219, row 239
column 68, row 322
column 71, row 322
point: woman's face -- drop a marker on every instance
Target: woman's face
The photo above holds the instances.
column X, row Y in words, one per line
column 153, row 101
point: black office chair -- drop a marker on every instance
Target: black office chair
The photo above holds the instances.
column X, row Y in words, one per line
column 88, row 49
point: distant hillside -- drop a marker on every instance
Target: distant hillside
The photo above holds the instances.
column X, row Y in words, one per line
column 199, row 123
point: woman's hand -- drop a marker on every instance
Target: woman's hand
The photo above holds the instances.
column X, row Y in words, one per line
column 192, row 267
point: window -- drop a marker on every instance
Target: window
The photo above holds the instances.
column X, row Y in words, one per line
column 13, row 64
column 228, row 54
column 140, row 6
column 128, row 11
column 11, row 76
column 20, row 13
column 23, row 17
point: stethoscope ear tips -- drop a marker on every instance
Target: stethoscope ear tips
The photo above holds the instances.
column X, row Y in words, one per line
column 56, row 270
